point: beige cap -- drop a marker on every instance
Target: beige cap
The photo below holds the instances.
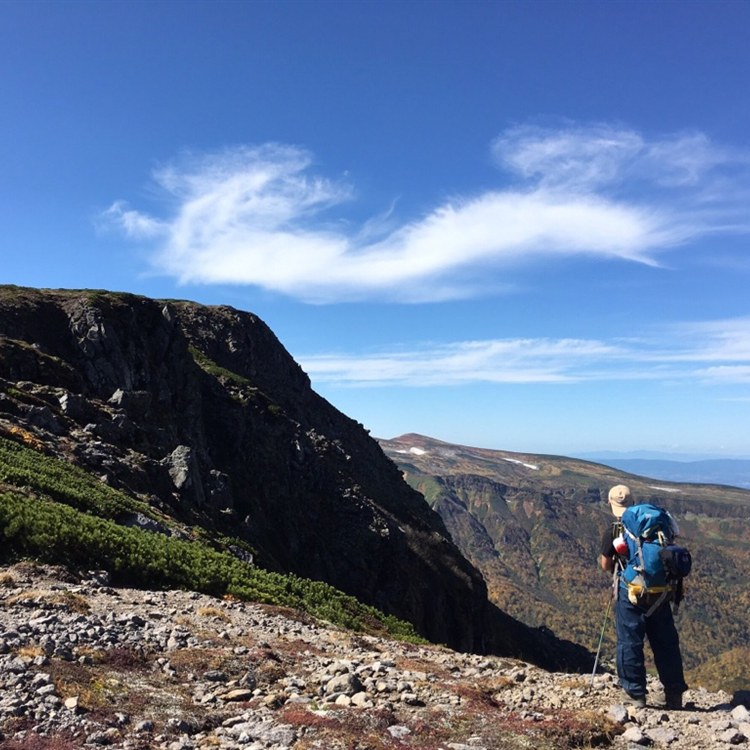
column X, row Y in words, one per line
column 620, row 498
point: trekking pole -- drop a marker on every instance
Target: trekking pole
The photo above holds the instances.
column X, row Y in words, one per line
column 601, row 640
column 615, row 581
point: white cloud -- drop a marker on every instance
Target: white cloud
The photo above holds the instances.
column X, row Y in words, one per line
column 133, row 223
column 573, row 157
column 592, row 157
column 727, row 374
column 255, row 215
column 713, row 341
column 494, row 361
column 672, row 353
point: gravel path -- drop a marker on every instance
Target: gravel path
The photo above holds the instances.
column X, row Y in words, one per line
column 83, row 664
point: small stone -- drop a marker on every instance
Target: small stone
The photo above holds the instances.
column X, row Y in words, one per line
column 635, row 735
column 71, row 703
column 732, row 737
column 215, row 675
column 240, row 694
column 740, row 713
column 398, row 731
column 618, row 714
column 17, row 665
column 720, row 725
column 410, row 699
column 361, row 700
column 233, row 721
column 272, row 700
column 98, row 738
column 178, row 725
column 348, row 684
column 662, row 735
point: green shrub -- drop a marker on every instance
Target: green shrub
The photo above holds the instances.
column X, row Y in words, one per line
column 68, row 484
column 56, row 513
column 209, row 366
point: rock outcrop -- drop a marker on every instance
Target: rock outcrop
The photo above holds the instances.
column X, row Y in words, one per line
column 203, row 413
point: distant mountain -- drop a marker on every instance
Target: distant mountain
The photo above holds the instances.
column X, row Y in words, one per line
column 730, row 471
column 604, row 456
column 532, row 525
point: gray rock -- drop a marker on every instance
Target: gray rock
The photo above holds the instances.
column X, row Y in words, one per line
column 398, row 731
column 98, row 738
column 733, row 737
column 74, row 406
column 636, row 736
column 183, row 470
column 663, row 735
column 138, row 520
column 17, row 665
column 215, row 675
column 240, row 694
column 618, row 713
column 348, row 684
column 42, row 416
column 179, row 725
column 135, row 403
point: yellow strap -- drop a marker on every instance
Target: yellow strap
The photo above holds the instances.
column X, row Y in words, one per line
column 637, row 588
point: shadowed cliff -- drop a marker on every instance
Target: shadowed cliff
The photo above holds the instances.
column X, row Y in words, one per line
column 202, row 412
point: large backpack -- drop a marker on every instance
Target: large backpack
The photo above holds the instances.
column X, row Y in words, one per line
column 655, row 565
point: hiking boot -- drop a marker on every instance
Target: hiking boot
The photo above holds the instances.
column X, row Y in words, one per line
column 673, row 701
column 637, row 701
column 670, row 700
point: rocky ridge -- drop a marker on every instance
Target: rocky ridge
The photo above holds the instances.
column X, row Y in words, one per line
column 201, row 414
column 83, row 664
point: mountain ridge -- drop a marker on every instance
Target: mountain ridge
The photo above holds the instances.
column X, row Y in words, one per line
column 201, row 414
column 734, row 472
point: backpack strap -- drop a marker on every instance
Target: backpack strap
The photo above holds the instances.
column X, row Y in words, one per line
column 664, row 594
column 639, row 548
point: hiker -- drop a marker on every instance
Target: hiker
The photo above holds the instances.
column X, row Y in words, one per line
column 649, row 615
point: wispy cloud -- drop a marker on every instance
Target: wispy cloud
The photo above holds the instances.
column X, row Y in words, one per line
column 494, row 361
column 716, row 352
column 257, row 215
column 604, row 157
column 738, row 374
column 133, row 223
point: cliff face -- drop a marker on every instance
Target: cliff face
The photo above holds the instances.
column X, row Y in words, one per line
column 202, row 412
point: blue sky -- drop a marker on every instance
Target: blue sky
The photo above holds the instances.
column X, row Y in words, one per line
column 516, row 225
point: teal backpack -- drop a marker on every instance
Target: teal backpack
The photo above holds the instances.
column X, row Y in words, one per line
column 655, row 565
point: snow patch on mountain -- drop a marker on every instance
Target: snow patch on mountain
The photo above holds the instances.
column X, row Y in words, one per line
column 521, row 463
column 415, row 451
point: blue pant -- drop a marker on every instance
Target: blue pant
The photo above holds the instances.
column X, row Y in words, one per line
column 632, row 627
